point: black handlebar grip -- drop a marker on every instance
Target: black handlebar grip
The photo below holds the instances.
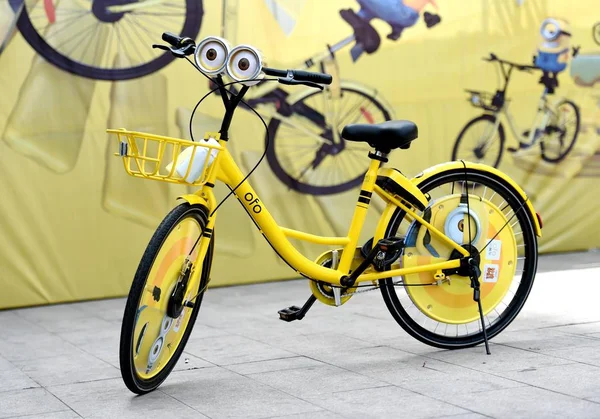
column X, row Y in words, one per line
column 172, row 39
column 319, row 78
column 274, row 72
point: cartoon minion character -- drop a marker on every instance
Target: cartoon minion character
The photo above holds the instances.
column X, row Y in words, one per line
column 399, row 14
column 553, row 52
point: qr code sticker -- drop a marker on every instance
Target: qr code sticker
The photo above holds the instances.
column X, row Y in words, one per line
column 493, row 250
column 490, row 273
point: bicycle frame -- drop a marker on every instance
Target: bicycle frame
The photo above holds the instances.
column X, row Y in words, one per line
column 544, row 112
column 543, row 115
column 229, row 173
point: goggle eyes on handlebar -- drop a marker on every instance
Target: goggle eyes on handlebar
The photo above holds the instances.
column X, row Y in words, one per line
column 211, row 55
column 214, row 56
column 244, row 63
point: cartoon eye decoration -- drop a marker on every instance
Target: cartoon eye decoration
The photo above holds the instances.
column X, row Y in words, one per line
column 455, row 225
column 244, row 63
column 211, row 55
column 550, row 30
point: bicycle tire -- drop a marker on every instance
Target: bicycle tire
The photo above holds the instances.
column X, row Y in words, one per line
column 278, row 167
column 191, row 28
column 564, row 154
column 133, row 380
column 430, row 338
column 484, row 117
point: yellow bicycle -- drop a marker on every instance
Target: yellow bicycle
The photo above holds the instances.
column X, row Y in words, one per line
column 454, row 253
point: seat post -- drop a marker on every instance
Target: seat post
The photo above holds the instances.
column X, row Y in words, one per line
column 379, row 155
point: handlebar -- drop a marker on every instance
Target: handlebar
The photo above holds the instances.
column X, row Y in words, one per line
column 521, row 67
column 299, row 75
column 183, row 46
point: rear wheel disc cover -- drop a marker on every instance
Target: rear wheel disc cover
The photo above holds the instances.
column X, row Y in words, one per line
column 452, row 302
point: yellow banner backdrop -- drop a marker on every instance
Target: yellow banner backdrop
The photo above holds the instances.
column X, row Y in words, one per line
column 74, row 225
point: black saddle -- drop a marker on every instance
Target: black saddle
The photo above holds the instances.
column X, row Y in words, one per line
column 385, row 136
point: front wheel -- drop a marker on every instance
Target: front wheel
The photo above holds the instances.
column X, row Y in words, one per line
column 498, row 233
column 156, row 324
column 561, row 132
column 480, row 141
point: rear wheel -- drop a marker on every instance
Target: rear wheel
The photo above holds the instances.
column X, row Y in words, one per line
column 156, row 324
column 561, row 132
column 480, row 141
column 503, row 238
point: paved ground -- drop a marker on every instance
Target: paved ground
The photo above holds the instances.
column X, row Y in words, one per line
column 62, row 361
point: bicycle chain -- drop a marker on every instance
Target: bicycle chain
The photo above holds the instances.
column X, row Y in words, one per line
column 358, row 291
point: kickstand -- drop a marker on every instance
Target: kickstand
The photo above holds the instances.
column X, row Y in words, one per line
column 475, row 272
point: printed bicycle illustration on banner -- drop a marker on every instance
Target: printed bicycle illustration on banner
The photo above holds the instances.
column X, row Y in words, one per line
column 555, row 127
column 306, row 151
column 103, row 39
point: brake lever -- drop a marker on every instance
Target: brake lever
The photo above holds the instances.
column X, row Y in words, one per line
column 177, row 52
column 159, row 46
column 292, row 82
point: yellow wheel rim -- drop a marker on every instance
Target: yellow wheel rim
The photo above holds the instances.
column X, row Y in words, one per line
column 452, row 302
column 156, row 335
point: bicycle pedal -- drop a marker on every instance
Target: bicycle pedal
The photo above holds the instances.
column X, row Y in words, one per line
column 289, row 314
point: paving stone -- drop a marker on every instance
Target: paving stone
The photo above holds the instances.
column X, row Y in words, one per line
column 587, row 328
column 586, row 355
column 227, row 350
column 103, row 343
column 271, row 365
column 316, row 343
column 13, row 379
column 544, row 340
column 319, row 379
column 5, row 364
column 321, row 414
column 527, row 402
column 577, row 380
column 65, row 414
column 32, row 402
column 34, row 346
column 111, row 399
column 109, row 309
column 72, row 368
column 384, row 402
column 13, row 325
column 219, row 393
column 503, row 358
column 47, row 315
column 462, row 416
